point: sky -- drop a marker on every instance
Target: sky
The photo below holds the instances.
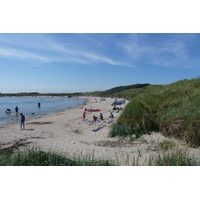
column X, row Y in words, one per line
column 76, row 62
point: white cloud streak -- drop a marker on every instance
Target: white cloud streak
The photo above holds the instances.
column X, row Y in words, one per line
column 39, row 48
column 136, row 49
column 172, row 52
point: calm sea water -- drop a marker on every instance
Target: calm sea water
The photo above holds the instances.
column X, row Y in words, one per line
column 29, row 105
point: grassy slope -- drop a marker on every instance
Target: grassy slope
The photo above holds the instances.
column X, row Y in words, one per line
column 172, row 109
column 120, row 92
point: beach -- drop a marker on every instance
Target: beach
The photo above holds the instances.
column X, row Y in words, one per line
column 67, row 134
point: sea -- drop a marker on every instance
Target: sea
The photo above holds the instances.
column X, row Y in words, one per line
column 29, row 106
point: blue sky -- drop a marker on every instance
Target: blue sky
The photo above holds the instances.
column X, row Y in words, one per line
column 76, row 62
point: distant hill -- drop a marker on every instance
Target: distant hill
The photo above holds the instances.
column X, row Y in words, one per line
column 122, row 88
column 120, row 91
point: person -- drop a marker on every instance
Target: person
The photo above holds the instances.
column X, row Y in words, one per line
column 22, row 122
column 95, row 118
column 39, row 104
column 111, row 116
column 114, row 108
column 8, row 110
column 84, row 114
column 101, row 116
column 16, row 109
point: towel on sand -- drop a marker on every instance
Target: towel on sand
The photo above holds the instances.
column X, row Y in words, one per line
column 99, row 128
column 111, row 121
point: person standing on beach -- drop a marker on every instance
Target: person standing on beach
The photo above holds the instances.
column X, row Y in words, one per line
column 84, row 114
column 22, row 122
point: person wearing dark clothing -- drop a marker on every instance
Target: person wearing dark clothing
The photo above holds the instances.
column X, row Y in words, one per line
column 111, row 116
column 16, row 109
column 101, row 116
column 22, row 122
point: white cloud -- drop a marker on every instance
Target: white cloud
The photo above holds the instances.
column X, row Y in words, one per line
column 20, row 54
column 42, row 49
column 172, row 51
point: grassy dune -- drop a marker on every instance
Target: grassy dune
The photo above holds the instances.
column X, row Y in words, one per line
column 172, row 109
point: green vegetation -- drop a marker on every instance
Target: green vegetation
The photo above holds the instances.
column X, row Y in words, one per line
column 166, row 145
column 36, row 157
column 128, row 91
column 124, row 131
column 171, row 109
column 117, row 90
column 176, row 158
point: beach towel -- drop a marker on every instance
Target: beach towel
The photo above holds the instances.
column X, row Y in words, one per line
column 111, row 121
column 99, row 128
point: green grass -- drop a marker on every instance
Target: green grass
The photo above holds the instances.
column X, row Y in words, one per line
column 36, row 157
column 125, row 131
column 175, row 158
column 166, row 145
column 128, row 91
column 171, row 109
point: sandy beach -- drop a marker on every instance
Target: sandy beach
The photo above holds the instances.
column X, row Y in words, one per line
column 66, row 133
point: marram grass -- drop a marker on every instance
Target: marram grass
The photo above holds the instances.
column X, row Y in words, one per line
column 171, row 109
column 36, row 157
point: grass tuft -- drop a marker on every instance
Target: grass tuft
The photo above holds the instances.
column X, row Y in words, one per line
column 176, row 158
column 36, row 157
column 125, row 131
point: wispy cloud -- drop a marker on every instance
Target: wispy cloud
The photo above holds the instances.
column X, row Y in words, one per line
column 15, row 53
column 45, row 49
column 172, row 51
column 164, row 50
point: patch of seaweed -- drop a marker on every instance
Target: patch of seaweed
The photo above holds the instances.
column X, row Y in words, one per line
column 11, row 147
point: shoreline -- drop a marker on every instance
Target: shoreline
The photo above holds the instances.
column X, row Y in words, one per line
column 65, row 133
column 42, row 114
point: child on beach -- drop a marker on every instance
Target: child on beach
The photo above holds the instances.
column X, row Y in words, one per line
column 84, row 114
column 101, row 116
column 22, row 122
column 95, row 118
column 111, row 116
